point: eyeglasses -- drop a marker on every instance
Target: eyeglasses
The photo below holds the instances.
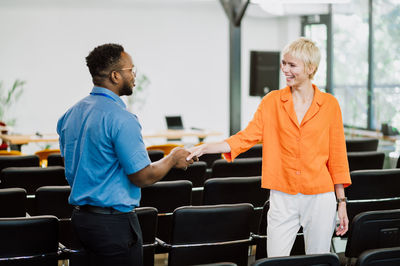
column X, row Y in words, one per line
column 133, row 69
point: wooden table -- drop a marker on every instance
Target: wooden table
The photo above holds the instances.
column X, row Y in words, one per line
column 20, row 140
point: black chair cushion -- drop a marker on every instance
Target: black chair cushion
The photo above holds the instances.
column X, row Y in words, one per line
column 374, row 184
column 195, row 173
column 365, row 160
column 12, row 202
column 239, row 167
column 19, row 161
column 353, row 145
column 31, row 178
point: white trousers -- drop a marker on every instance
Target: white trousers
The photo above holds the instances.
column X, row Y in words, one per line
column 315, row 213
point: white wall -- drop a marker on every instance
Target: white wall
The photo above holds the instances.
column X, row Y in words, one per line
column 182, row 48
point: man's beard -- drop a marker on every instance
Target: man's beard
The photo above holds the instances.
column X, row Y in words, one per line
column 127, row 89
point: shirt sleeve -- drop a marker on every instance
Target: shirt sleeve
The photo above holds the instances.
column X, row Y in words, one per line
column 248, row 137
column 337, row 163
column 130, row 148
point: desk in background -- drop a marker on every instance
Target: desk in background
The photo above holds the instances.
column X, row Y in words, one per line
column 20, row 140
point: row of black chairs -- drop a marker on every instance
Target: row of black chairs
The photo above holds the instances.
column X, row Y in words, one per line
column 200, row 235
column 197, row 172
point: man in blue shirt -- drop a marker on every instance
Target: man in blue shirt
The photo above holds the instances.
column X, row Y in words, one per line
column 106, row 161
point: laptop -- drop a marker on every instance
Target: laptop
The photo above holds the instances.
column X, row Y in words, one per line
column 174, row 122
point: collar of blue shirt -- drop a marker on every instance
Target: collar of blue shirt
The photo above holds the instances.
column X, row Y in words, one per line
column 109, row 94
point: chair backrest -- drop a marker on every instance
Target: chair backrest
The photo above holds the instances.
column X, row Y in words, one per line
column 261, row 237
column 210, row 158
column 354, row 145
column 18, row 161
column 30, row 236
column 355, row 207
column 209, row 234
column 53, row 200
column 253, row 152
column 166, row 196
column 374, row 184
column 365, row 160
column 12, row 202
column 155, row 155
column 380, row 257
column 329, row 259
column 371, row 230
column 232, row 190
column 55, row 159
column 195, row 173
column 239, row 167
column 8, row 153
column 147, row 217
column 31, row 178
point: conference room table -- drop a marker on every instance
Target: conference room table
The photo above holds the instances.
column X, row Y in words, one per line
column 20, row 140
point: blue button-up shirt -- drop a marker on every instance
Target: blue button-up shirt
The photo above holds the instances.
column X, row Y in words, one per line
column 101, row 143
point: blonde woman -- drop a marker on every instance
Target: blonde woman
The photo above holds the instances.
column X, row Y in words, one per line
column 304, row 155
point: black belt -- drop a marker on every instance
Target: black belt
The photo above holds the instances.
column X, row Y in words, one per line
column 99, row 210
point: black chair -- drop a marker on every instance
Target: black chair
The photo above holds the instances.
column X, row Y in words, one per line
column 373, row 190
column 53, row 200
column 372, row 230
column 195, row 173
column 31, row 178
column 155, row 155
column 253, row 152
column 210, row 158
column 29, row 241
column 381, row 257
column 166, row 196
column 239, row 167
column 365, row 160
column 231, row 190
column 329, row 259
column 55, row 159
column 148, row 223
column 260, row 239
column 355, row 145
column 19, row 161
column 374, row 184
column 12, row 202
column 355, row 207
column 210, row 234
column 398, row 163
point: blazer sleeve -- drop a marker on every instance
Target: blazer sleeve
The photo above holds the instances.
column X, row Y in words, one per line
column 338, row 165
column 248, row 137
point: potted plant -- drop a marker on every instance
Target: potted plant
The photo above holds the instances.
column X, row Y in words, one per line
column 8, row 98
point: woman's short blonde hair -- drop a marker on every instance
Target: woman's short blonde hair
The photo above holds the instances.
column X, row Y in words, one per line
column 307, row 51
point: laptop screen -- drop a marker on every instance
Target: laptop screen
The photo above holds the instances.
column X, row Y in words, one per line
column 174, row 122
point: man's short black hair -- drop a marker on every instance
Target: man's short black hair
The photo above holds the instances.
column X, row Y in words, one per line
column 103, row 58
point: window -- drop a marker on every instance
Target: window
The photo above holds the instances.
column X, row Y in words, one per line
column 350, row 62
column 386, row 70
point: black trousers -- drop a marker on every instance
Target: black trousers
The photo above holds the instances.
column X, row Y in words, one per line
column 109, row 239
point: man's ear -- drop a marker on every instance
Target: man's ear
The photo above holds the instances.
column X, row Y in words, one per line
column 114, row 77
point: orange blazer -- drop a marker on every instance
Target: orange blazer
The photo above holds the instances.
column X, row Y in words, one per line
column 308, row 158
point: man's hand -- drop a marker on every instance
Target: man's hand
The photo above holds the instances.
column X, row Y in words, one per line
column 180, row 154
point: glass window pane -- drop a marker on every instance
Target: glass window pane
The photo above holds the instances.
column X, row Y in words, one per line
column 387, row 62
column 318, row 33
column 350, row 61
